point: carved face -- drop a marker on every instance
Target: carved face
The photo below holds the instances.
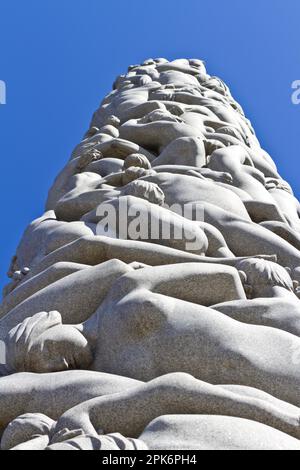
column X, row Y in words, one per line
column 60, row 348
column 145, row 190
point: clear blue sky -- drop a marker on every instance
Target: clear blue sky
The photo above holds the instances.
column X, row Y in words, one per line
column 59, row 58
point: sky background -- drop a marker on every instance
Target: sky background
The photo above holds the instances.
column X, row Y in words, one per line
column 60, row 57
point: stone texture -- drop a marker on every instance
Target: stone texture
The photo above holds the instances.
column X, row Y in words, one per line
column 166, row 263
column 214, row 433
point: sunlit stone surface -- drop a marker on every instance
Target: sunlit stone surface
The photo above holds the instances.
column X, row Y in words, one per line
column 155, row 302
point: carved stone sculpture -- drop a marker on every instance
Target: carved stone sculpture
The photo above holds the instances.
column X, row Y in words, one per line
column 155, row 304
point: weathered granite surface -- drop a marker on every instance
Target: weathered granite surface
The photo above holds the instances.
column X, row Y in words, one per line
column 155, row 304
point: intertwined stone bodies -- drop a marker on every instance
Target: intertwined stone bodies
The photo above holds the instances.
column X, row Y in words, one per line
column 157, row 296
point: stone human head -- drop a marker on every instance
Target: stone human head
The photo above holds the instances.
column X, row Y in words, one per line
column 41, row 343
column 278, row 183
column 261, row 273
column 137, row 160
column 149, row 62
column 113, row 121
column 145, row 190
column 91, row 155
column 26, row 427
column 231, row 131
column 134, row 172
column 159, row 115
column 215, row 83
column 118, row 81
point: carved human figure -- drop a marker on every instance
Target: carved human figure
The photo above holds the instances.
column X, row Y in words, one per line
column 243, row 237
column 52, row 282
column 152, row 278
column 110, row 339
column 235, row 160
column 284, row 197
column 272, row 298
column 81, row 424
column 54, row 393
column 178, row 394
column 192, row 189
column 35, row 431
